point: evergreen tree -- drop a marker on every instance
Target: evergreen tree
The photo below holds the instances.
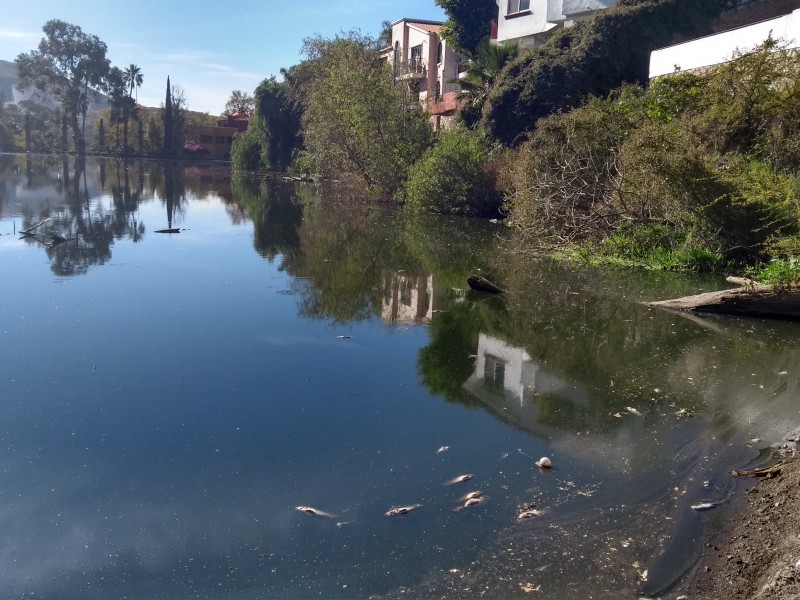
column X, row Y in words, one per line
column 168, row 120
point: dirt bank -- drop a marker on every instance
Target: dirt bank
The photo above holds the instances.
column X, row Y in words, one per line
column 759, row 557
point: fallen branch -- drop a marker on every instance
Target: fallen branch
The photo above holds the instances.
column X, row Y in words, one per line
column 481, row 284
column 39, row 224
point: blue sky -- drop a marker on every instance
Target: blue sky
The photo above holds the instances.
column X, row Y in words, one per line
column 208, row 48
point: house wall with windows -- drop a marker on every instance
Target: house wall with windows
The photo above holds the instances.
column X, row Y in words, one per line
column 217, row 141
column 424, row 62
column 531, row 22
column 716, row 49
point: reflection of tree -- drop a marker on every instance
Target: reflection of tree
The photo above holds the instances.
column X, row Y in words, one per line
column 275, row 212
column 343, row 256
column 447, row 362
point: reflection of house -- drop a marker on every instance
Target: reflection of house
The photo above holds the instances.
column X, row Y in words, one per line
column 411, row 298
column 530, row 22
column 717, row 49
column 217, row 141
column 423, row 61
column 506, row 380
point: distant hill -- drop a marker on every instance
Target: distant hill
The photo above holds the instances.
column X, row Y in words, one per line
column 11, row 95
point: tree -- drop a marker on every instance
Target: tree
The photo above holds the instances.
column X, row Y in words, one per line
column 168, row 129
column 480, row 75
column 354, row 120
column 467, row 22
column 239, row 102
column 68, row 64
column 135, row 79
column 273, row 133
column 385, row 36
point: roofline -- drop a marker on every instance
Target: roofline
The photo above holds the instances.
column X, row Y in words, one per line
column 423, row 21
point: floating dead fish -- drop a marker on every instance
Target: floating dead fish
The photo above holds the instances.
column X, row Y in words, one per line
column 684, row 413
column 528, row 514
column 633, row 411
column 474, row 501
column 471, row 496
column 703, row 506
column 343, row 337
column 401, row 510
column 544, row 463
column 459, row 479
column 443, row 449
column 314, row 512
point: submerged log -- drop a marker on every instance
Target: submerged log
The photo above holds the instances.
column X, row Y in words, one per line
column 750, row 300
column 481, row 284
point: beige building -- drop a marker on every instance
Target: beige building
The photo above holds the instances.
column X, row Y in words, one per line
column 421, row 60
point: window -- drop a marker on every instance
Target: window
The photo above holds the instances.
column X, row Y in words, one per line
column 439, row 53
column 205, row 139
column 220, row 139
column 515, row 6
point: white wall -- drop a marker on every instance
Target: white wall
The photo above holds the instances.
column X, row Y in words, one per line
column 530, row 30
column 719, row 48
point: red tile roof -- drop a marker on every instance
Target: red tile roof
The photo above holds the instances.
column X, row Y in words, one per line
column 429, row 27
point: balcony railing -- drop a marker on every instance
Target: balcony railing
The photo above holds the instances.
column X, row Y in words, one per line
column 414, row 68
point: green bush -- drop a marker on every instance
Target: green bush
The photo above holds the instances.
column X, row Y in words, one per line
column 781, row 273
column 453, row 176
column 591, row 59
column 250, row 150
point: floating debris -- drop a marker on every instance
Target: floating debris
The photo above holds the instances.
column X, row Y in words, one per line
column 633, row 411
column 471, row 496
column 544, row 463
column 459, row 479
column 343, row 337
column 528, row 588
column 529, row 514
column 703, row 506
column 314, row 512
column 443, row 449
column 401, row 510
column 684, row 413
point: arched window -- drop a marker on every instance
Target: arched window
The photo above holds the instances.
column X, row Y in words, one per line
column 439, row 53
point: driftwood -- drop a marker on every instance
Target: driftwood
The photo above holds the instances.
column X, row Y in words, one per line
column 750, row 300
column 167, row 231
column 29, row 230
column 481, row 284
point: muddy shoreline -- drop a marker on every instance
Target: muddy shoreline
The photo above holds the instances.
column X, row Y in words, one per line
column 758, row 555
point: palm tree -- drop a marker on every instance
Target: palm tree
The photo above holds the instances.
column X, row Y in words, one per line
column 479, row 77
column 133, row 79
column 483, row 69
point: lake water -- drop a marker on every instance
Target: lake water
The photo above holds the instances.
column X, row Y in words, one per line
column 168, row 399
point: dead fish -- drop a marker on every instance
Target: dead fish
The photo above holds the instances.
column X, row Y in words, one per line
column 704, row 506
column 343, row 337
column 459, row 479
column 633, row 411
column 528, row 514
column 474, row 501
column 471, row 496
column 443, row 449
column 314, row 512
column 401, row 510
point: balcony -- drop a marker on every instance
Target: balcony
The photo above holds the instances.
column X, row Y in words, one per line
column 414, row 68
column 448, row 103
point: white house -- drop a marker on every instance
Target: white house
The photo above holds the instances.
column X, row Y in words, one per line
column 423, row 61
column 719, row 48
column 530, row 22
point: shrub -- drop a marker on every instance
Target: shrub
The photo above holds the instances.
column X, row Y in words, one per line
column 453, row 176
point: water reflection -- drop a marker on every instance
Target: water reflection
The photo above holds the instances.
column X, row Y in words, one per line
column 161, row 454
